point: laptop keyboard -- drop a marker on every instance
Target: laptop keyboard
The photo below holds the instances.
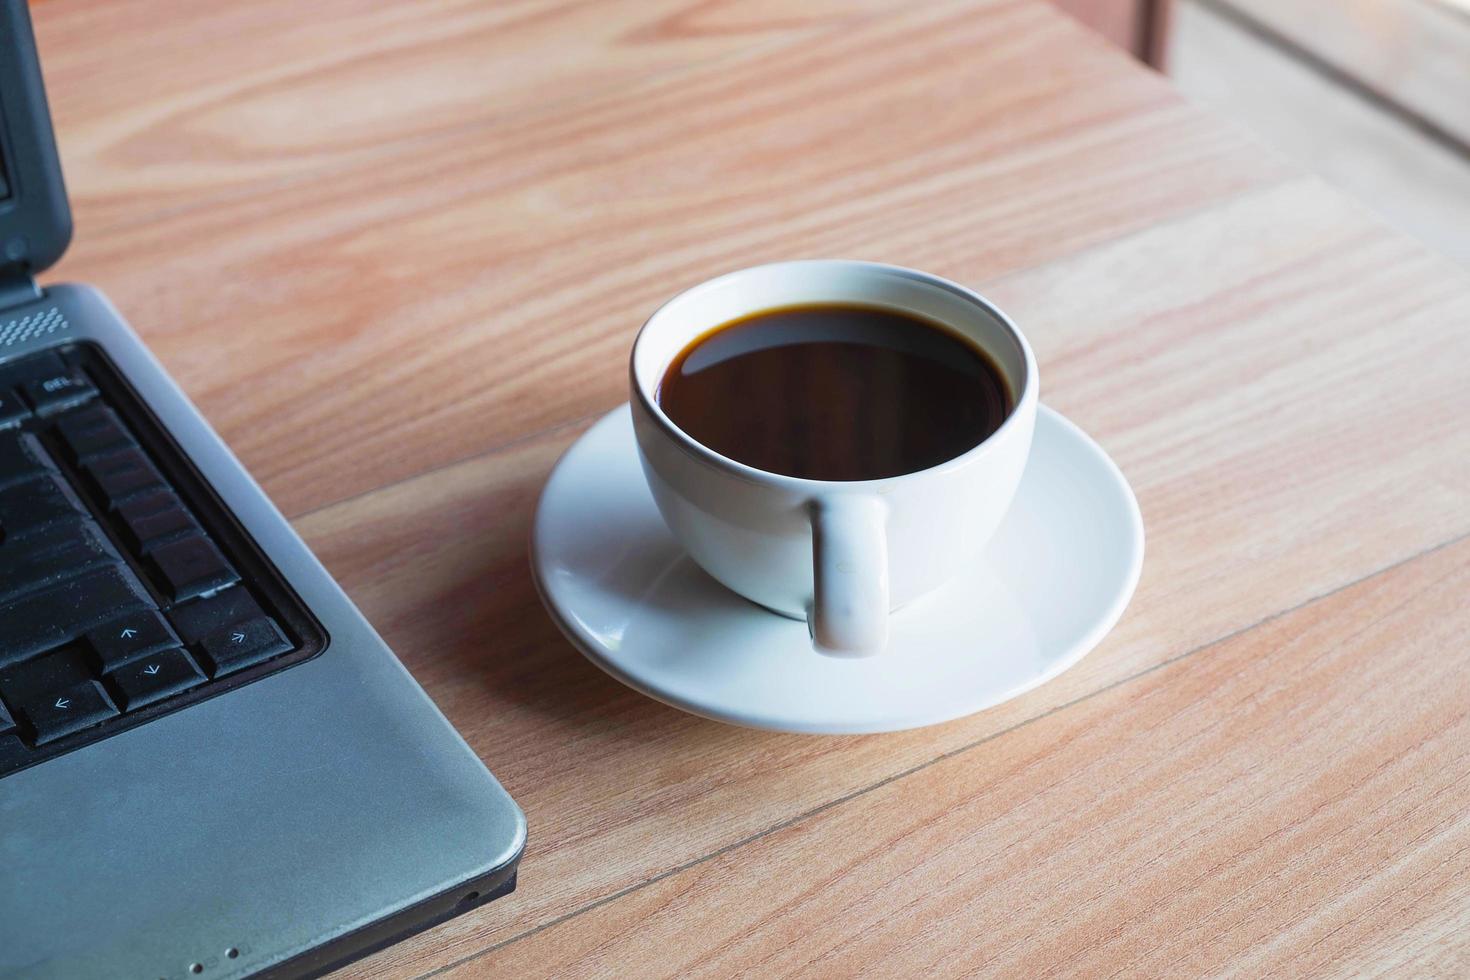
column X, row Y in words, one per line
column 127, row 590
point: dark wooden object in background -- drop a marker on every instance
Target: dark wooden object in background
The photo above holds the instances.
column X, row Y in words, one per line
column 1140, row 27
column 1410, row 55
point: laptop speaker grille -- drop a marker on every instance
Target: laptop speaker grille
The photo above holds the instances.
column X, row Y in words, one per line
column 32, row 325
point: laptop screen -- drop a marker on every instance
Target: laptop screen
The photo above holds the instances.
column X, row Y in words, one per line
column 35, row 220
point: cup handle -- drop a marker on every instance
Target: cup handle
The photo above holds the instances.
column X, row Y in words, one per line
column 849, row 612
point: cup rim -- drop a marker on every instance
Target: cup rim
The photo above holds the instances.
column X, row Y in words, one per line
column 1025, row 398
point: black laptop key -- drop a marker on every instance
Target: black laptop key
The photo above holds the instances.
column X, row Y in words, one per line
column 51, row 555
column 15, row 373
column 121, row 474
column 145, row 532
column 55, row 696
column 91, row 431
column 198, row 618
column 21, row 457
column 32, row 679
column 57, row 391
column 39, row 621
column 155, row 677
column 125, row 589
column 242, row 645
column 60, row 711
column 38, row 503
column 190, row 566
column 148, row 503
column 128, row 637
column 13, row 411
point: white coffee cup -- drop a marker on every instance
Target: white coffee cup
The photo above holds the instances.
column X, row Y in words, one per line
column 840, row 555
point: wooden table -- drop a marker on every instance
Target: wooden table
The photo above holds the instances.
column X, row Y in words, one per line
column 397, row 253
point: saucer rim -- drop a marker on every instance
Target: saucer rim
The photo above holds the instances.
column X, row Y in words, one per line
column 753, row 719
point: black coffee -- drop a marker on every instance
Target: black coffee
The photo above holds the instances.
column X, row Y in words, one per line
column 835, row 392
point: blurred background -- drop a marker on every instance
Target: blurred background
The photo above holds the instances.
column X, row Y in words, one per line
column 1373, row 95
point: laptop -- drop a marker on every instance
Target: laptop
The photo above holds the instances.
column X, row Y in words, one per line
column 210, row 764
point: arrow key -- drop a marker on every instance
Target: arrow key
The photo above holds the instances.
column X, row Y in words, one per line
column 236, row 647
column 154, row 677
column 128, row 637
column 63, row 710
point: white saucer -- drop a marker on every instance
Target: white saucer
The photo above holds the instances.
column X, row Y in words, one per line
column 1049, row 586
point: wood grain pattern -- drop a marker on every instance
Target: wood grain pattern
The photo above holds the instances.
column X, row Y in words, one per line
column 1288, row 802
column 399, row 312
column 1227, row 440
column 397, row 253
column 261, row 95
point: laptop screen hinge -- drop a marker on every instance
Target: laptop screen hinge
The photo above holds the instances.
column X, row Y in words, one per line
column 17, row 287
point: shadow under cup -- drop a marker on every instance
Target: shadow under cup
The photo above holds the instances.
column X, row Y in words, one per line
column 754, row 530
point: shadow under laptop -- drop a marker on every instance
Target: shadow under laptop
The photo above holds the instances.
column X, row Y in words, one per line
column 439, row 566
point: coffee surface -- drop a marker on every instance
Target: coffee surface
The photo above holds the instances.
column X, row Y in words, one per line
column 835, row 392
